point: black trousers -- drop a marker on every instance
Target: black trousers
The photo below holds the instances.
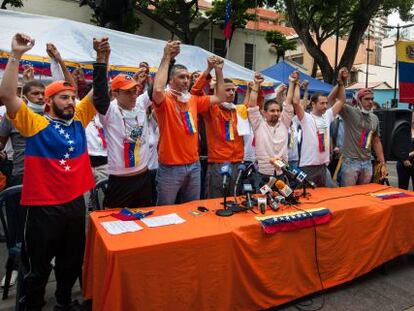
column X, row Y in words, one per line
column 52, row 231
column 129, row 191
column 404, row 175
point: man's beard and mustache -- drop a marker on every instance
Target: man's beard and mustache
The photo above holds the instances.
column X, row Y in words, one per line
column 63, row 113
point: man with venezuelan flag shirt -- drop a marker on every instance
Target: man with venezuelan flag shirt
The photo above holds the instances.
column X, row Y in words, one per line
column 58, row 172
column 176, row 110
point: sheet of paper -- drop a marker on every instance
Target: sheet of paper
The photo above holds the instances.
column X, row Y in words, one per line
column 119, row 226
column 165, row 220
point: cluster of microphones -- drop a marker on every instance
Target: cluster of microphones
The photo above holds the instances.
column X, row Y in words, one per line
column 275, row 192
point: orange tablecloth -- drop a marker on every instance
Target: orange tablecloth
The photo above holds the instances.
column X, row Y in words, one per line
column 214, row 263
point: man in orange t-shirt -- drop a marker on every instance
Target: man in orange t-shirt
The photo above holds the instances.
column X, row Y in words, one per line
column 225, row 145
column 176, row 110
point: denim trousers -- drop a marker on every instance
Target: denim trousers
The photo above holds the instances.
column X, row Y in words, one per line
column 356, row 172
column 182, row 182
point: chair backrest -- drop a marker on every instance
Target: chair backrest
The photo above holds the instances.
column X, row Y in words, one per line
column 12, row 215
column 98, row 193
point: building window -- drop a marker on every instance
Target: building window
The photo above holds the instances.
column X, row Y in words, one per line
column 219, row 47
column 298, row 59
column 249, row 56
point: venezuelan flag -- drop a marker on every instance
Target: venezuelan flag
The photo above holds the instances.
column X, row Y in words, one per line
column 131, row 154
column 188, row 122
column 227, row 129
column 405, row 53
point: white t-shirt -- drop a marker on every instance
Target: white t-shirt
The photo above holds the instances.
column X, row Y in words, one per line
column 8, row 148
column 154, row 137
column 294, row 140
column 311, row 126
column 95, row 138
column 127, row 137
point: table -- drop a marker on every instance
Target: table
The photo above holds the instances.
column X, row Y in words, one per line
column 214, row 263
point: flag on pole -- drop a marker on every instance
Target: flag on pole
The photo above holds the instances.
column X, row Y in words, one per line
column 405, row 53
column 227, row 25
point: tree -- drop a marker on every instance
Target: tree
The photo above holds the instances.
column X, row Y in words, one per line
column 13, row 3
column 239, row 12
column 181, row 17
column 277, row 40
column 114, row 14
column 315, row 21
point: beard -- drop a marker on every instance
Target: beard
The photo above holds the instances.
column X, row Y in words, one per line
column 61, row 113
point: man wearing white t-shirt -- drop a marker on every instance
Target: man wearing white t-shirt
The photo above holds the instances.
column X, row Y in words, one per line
column 315, row 149
column 127, row 137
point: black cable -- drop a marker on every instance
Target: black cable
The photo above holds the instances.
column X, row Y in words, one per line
column 348, row 196
column 300, row 306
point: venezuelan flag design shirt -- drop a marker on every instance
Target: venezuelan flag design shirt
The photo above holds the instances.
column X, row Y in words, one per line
column 56, row 165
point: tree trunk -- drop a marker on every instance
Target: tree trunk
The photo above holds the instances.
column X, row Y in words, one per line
column 366, row 11
column 314, row 69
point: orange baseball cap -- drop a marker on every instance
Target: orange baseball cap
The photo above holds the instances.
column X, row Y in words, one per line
column 122, row 82
column 56, row 87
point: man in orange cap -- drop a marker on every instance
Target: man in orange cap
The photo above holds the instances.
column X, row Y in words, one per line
column 127, row 135
column 361, row 136
column 58, row 174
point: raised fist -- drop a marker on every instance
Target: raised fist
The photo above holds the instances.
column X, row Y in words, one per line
column 53, row 52
column 343, row 75
column 172, row 49
column 21, row 43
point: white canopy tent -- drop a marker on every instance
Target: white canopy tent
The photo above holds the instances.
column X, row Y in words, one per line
column 74, row 41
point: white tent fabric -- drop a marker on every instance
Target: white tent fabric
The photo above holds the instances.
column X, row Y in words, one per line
column 74, row 41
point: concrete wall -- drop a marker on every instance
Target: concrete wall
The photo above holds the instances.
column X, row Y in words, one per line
column 68, row 9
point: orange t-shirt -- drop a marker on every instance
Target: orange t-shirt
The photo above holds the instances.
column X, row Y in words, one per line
column 223, row 142
column 177, row 123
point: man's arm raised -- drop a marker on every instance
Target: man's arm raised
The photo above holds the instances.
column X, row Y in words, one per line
column 220, row 95
column 254, row 92
column 21, row 43
column 342, row 78
column 171, row 50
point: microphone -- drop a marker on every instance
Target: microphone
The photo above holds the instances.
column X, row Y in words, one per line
column 261, row 203
column 284, row 189
column 248, row 189
column 267, row 191
column 225, row 171
column 301, row 177
column 283, row 166
column 249, row 170
column 241, row 168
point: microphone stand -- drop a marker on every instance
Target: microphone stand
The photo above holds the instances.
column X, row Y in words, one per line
column 224, row 212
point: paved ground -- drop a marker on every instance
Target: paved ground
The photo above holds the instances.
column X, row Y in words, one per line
column 389, row 289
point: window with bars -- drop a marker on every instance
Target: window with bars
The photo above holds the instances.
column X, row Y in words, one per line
column 219, row 47
column 249, row 50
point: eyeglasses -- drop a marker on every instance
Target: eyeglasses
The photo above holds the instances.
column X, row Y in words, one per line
column 369, row 98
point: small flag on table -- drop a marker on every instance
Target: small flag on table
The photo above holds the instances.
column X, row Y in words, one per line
column 292, row 221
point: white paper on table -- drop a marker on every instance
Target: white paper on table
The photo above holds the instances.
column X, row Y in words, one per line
column 165, row 220
column 119, row 226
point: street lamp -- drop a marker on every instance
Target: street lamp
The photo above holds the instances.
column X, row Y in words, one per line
column 369, row 50
column 338, row 11
column 394, row 103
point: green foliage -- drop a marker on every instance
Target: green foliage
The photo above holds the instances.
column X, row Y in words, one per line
column 280, row 43
column 316, row 20
column 12, row 3
column 239, row 15
column 181, row 17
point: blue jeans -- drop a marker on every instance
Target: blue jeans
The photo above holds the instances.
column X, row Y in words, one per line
column 178, row 179
column 356, row 172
